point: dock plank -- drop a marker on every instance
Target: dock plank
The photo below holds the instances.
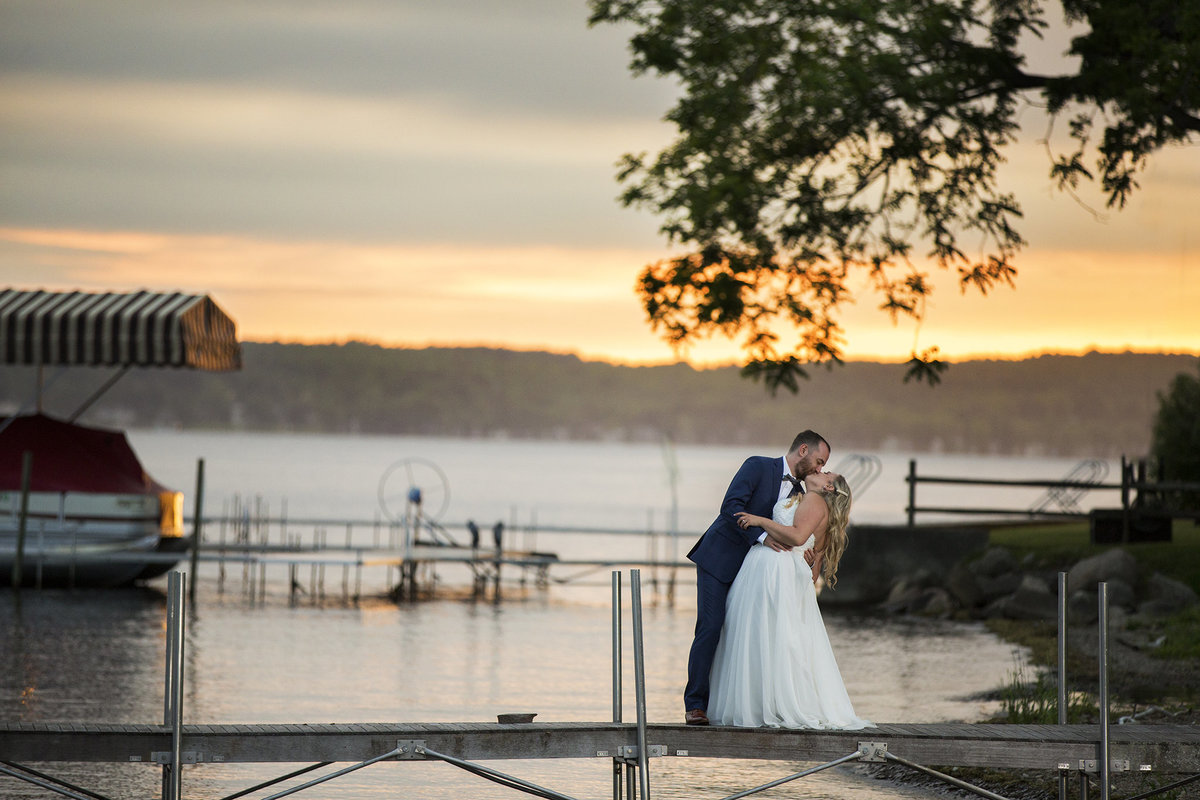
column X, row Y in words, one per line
column 1165, row 748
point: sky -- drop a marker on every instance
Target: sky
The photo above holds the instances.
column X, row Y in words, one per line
column 443, row 173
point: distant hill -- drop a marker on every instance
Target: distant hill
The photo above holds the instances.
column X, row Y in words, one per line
column 1080, row 406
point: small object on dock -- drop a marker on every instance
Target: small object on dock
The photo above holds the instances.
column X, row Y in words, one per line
column 510, row 719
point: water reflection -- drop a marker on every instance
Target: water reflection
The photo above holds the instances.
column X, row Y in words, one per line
column 82, row 655
column 98, row 657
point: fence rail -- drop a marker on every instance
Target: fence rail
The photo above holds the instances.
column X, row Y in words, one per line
column 1137, row 493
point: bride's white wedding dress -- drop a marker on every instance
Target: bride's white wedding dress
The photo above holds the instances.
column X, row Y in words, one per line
column 774, row 666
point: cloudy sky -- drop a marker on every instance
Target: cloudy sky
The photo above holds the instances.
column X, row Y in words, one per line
column 417, row 172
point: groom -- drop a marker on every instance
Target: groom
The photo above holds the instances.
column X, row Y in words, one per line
column 757, row 487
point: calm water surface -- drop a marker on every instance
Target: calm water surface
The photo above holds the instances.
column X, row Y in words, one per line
column 99, row 656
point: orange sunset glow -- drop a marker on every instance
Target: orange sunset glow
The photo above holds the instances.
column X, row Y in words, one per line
column 383, row 186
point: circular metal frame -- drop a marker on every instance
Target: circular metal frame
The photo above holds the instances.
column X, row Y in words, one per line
column 417, row 473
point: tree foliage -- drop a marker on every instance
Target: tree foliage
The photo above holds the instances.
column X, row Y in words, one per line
column 825, row 142
column 1176, row 438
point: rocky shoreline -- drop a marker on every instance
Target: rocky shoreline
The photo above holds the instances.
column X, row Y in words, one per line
column 996, row 585
column 1020, row 598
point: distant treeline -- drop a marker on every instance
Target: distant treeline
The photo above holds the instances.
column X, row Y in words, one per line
column 1080, row 406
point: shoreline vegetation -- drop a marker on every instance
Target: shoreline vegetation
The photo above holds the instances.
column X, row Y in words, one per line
column 1050, row 405
column 1154, row 647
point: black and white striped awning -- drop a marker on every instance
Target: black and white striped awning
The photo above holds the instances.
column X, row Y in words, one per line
column 140, row 329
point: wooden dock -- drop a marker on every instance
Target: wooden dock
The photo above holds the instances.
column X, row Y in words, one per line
column 1162, row 749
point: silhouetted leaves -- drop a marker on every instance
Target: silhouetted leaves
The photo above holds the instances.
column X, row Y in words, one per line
column 925, row 367
column 816, row 141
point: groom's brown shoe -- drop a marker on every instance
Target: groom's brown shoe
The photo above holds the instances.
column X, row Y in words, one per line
column 696, row 717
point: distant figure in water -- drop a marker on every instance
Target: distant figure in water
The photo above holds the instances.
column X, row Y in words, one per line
column 474, row 529
column 498, row 535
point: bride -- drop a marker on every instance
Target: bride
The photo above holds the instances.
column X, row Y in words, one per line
column 774, row 666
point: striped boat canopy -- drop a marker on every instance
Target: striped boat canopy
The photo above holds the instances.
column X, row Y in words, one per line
column 141, row 329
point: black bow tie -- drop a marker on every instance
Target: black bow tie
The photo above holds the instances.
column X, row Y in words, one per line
column 797, row 485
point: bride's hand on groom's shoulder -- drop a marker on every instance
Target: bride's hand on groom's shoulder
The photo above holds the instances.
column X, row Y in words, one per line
column 746, row 520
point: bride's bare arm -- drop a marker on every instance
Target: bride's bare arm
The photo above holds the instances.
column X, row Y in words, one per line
column 818, row 552
column 810, row 517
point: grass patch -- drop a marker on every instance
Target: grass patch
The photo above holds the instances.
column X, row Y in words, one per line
column 1050, row 545
column 1041, row 639
column 1182, row 635
column 1040, row 636
column 1035, row 702
column 1058, row 546
column 1178, row 559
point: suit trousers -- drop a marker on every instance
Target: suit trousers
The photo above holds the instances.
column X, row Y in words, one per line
column 710, row 619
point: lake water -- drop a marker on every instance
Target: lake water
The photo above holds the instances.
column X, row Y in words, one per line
column 99, row 656
column 543, row 483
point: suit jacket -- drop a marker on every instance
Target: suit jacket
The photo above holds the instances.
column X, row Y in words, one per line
column 755, row 488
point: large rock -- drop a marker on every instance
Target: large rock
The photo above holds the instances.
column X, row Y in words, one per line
column 1111, row 565
column 1083, row 608
column 909, row 599
column 1120, row 595
column 1032, row 600
column 1118, row 619
column 994, row 561
column 902, row 598
column 1083, row 605
column 964, row 587
column 1166, row 596
column 936, row 603
column 999, row 586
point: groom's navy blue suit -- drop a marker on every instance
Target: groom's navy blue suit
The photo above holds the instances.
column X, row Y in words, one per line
column 718, row 556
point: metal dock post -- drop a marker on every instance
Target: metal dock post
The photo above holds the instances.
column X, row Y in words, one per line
column 197, row 528
column 639, row 675
column 1105, row 764
column 1062, row 671
column 616, row 672
column 173, row 687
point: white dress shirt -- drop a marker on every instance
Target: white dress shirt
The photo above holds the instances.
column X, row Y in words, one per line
column 785, row 488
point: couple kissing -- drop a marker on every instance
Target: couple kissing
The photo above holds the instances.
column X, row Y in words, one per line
column 760, row 655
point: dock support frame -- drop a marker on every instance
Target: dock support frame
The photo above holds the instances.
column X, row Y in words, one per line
column 316, row 781
column 812, row 770
column 293, row 774
column 32, row 776
column 495, row 776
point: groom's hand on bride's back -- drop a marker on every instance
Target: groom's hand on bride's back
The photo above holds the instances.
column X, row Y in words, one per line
column 776, row 545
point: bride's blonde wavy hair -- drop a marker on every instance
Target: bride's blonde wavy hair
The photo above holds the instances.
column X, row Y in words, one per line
column 837, row 500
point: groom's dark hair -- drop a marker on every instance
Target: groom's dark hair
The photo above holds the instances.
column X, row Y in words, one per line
column 811, row 438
